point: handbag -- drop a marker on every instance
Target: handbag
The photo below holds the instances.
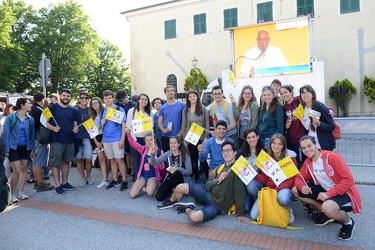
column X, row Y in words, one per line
column 42, row 135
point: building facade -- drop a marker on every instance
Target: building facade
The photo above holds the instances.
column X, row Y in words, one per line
column 165, row 37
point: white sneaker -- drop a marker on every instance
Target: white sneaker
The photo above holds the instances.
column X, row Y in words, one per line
column 144, row 189
column 83, row 182
column 90, row 181
column 102, row 184
column 23, row 196
column 14, row 199
column 291, row 215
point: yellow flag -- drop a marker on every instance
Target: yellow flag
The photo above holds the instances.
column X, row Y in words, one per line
column 300, row 111
column 195, row 132
column 288, row 167
column 47, row 113
column 262, row 159
column 91, row 128
column 140, row 115
column 147, row 124
column 231, row 76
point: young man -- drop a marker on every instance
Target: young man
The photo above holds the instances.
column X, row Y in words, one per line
column 221, row 191
column 113, row 142
column 170, row 117
column 221, row 109
column 63, row 126
column 82, row 141
column 41, row 150
column 212, row 146
column 124, row 102
column 330, row 187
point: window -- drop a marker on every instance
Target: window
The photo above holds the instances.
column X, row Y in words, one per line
column 349, row 6
column 230, row 18
column 170, row 29
column 305, row 7
column 264, row 11
column 172, row 80
column 200, row 26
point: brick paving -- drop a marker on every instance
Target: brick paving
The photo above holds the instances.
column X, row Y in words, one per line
column 191, row 230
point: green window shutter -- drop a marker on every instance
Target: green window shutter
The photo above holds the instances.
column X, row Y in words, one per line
column 349, row 6
column 264, row 11
column 305, row 7
column 200, row 25
column 170, row 29
column 230, row 18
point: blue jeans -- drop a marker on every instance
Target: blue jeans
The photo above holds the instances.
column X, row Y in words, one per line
column 200, row 194
column 266, row 143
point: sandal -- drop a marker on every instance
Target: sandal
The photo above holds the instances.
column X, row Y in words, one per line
column 30, row 181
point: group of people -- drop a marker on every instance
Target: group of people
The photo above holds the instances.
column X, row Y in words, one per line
column 166, row 166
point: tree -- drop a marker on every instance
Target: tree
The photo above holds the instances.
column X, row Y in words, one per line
column 6, row 21
column 63, row 33
column 196, row 80
column 111, row 73
column 343, row 94
column 369, row 87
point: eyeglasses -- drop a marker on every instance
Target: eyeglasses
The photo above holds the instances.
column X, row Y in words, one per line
column 262, row 39
column 247, row 93
column 216, row 94
column 84, row 98
column 227, row 150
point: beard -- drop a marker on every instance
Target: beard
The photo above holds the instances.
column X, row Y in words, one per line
column 64, row 101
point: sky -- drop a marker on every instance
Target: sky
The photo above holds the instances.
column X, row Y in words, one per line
column 106, row 18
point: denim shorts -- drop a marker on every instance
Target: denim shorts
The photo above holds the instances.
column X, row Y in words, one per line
column 200, row 194
column 41, row 154
column 84, row 151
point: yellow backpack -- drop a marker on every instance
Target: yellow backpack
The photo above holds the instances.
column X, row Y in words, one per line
column 226, row 103
column 271, row 213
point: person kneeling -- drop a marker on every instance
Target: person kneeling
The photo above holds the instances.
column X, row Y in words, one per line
column 330, row 187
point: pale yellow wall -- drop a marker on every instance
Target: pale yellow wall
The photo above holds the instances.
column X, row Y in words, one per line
column 335, row 41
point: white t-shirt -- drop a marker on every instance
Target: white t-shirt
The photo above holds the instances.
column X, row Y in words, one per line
column 319, row 173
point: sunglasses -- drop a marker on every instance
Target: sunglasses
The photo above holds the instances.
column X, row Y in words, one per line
column 84, row 98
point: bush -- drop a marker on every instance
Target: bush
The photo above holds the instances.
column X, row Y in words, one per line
column 343, row 99
column 369, row 88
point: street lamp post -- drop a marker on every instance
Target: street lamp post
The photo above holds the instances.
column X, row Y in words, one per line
column 194, row 62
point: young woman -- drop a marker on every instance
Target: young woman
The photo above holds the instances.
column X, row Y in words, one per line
column 270, row 116
column 96, row 106
column 19, row 140
column 250, row 150
column 293, row 126
column 195, row 112
column 320, row 127
column 248, row 112
column 156, row 104
column 8, row 110
column 179, row 169
column 142, row 109
column 148, row 175
column 277, row 151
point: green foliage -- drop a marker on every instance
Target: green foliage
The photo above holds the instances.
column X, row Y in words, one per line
column 196, row 80
column 6, row 21
column 343, row 99
column 112, row 73
column 369, row 87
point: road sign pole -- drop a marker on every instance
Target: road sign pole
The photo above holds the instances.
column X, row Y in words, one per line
column 44, row 74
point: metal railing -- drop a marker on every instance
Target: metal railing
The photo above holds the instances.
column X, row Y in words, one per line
column 357, row 149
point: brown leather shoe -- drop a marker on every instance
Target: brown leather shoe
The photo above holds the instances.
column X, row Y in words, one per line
column 44, row 187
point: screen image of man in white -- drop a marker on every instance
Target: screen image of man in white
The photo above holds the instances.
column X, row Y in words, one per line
column 262, row 56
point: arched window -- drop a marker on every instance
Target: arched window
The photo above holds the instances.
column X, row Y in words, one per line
column 172, row 80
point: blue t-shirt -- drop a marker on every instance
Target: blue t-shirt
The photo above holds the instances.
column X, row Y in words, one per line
column 112, row 131
column 83, row 116
column 172, row 116
column 22, row 140
column 148, row 170
column 64, row 118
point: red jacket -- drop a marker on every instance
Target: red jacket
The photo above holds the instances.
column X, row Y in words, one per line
column 336, row 169
column 264, row 179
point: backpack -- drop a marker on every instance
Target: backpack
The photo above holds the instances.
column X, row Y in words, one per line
column 337, row 131
column 226, row 103
column 271, row 213
column 14, row 120
column 43, row 134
